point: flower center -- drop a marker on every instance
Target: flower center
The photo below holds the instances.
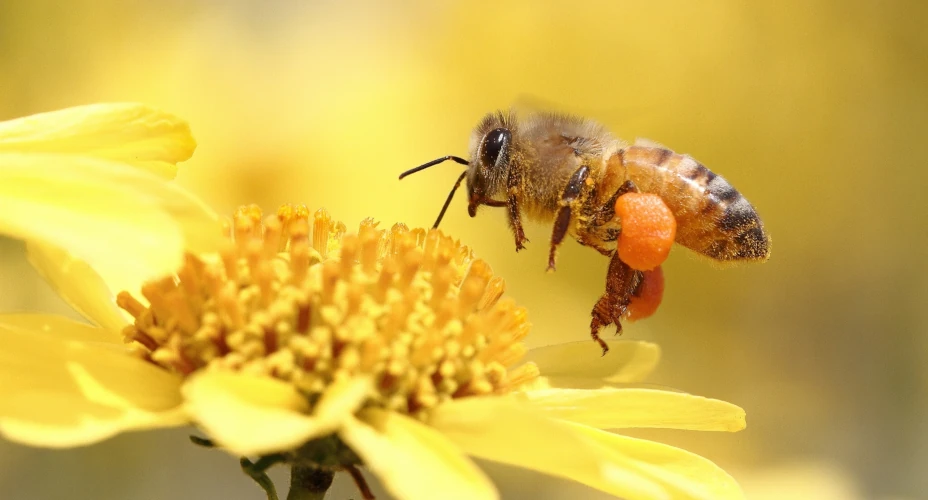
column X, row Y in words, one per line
column 303, row 302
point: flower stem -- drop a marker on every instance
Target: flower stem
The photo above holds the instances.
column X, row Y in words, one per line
column 309, row 483
column 257, row 471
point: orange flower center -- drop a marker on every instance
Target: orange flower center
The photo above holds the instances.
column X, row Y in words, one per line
column 305, row 303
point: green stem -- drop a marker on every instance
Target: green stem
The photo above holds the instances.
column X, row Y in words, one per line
column 309, row 483
column 257, row 471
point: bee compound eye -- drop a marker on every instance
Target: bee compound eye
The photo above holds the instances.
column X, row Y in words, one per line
column 493, row 144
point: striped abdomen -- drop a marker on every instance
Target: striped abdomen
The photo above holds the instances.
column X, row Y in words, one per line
column 712, row 216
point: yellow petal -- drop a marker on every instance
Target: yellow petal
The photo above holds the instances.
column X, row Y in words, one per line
column 686, row 475
column 413, row 461
column 497, row 429
column 127, row 132
column 341, row 400
column 627, row 360
column 79, row 285
column 614, row 408
column 250, row 414
column 59, row 327
column 128, row 224
column 62, row 393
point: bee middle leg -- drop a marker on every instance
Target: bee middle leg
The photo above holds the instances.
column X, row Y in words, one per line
column 602, row 227
column 607, row 210
column 595, row 245
column 569, row 199
column 621, row 283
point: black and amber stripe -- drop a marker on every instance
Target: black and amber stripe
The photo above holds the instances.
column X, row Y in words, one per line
column 713, row 218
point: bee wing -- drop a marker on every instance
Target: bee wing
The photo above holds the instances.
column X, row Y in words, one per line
column 531, row 104
column 648, row 143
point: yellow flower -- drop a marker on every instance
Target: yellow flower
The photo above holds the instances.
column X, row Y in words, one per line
column 287, row 338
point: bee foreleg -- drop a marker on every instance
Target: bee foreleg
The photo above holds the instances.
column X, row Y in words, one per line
column 621, row 281
column 515, row 217
column 568, row 199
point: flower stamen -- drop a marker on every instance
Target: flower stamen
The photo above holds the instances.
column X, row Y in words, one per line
column 413, row 309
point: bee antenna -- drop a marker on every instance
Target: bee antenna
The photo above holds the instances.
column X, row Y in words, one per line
column 432, row 163
column 448, row 200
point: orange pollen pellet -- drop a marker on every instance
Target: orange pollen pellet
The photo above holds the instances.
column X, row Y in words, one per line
column 646, row 299
column 648, row 230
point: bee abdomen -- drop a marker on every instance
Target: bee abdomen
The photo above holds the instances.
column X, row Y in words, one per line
column 713, row 218
column 736, row 220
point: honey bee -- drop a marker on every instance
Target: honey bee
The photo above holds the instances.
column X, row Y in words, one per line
column 570, row 171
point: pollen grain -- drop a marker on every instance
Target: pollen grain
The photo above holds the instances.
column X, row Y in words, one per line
column 294, row 297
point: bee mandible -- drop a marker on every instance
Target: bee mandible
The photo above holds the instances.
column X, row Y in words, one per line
column 571, row 171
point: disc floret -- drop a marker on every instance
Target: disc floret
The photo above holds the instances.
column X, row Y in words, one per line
column 300, row 300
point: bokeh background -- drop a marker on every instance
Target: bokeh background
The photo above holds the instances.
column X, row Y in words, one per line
column 816, row 110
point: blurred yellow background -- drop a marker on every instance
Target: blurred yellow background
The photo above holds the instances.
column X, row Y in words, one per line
column 815, row 110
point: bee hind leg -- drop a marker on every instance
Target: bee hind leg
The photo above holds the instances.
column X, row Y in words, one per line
column 621, row 282
column 569, row 197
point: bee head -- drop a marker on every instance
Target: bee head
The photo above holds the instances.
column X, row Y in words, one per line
column 490, row 151
column 486, row 176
